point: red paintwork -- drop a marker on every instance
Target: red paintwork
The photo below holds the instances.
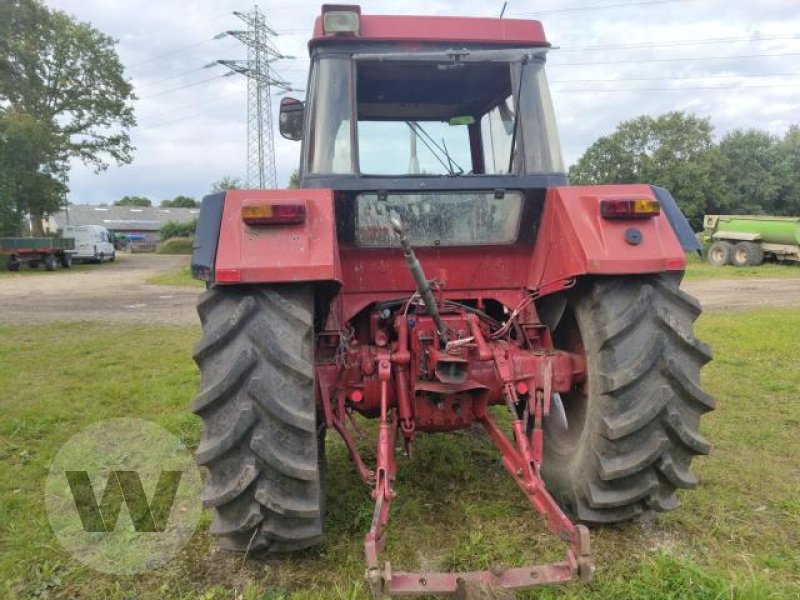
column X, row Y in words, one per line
column 422, row 385
column 383, row 28
column 395, row 367
column 575, row 240
column 23, row 251
column 520, row 578
column 278, row 253
column 401, row 383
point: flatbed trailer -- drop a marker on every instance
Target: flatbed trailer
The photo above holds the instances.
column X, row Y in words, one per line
column 37, row 250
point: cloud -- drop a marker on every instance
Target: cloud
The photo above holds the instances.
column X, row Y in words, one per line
column 192, row 132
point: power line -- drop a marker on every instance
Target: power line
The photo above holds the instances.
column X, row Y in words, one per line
column 570, row 90
column 214, row 17
column 261, row 171
column 169, row 53
column 680, row 89
column 183, row 87
column 597, row 7
column 167, row 122
column 170, row 78
column 697, row 42
column 662, row 44
column 649, row 60
column 665, row 78
column 184, row 107
column 743, row 75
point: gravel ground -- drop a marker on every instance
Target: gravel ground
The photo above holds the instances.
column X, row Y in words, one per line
column 111, row 292
column 117, row 293
column 742, row 294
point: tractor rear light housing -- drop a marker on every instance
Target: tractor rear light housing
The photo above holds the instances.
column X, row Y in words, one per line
column 273, row 214
column 341, row 19
column 629, row 209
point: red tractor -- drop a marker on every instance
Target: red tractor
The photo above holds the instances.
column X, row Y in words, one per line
column 434, row 263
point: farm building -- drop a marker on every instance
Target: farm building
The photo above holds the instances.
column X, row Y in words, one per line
column 132, row 226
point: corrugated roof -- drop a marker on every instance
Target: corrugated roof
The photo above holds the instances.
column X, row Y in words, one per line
column 123, row 217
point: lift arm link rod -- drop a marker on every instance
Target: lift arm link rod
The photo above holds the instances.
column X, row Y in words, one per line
column 422, row 284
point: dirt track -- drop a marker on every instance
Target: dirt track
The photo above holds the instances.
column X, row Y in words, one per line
column 741, row 294
column 111, row 292
column 117, row 292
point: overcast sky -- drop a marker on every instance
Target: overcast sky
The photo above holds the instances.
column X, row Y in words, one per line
column 736, row 61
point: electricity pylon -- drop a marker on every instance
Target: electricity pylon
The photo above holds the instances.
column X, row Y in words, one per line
column 260, row 79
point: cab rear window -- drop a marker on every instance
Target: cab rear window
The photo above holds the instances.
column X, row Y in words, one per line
column 439, row 219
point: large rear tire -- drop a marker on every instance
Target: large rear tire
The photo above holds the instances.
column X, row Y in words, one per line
column 260, row 439
column 633, row 427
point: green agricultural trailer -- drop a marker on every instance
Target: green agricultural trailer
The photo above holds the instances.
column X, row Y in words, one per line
column 36, row 250
column 749, row 240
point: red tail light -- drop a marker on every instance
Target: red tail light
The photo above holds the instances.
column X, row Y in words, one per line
column 629, row 209
column 273, row 214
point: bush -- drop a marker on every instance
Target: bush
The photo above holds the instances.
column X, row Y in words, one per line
column 173, row 229
column 176, row 245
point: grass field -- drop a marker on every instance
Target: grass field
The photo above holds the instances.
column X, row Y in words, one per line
column 179, row 277
column 736, row 536
column 699, row 269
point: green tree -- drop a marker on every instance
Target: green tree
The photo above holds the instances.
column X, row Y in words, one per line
column 133, row 201
column 226, row 183
column 172, row 229
column 30, row 178
column 179, row 202
column 66, row 77
column 294, row 179
column 675, row 151
column 789, row 160
column 752, row 170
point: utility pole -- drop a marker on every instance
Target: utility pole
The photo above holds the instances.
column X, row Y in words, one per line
column 260, row 79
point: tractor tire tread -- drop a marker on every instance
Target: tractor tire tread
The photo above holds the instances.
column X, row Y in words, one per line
column 642, row 424
column 260, row 442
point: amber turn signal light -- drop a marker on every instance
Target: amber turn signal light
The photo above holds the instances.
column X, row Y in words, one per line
column 273, row 214
column 629, row 209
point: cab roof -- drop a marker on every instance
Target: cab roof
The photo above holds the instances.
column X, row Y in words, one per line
column 480, row 30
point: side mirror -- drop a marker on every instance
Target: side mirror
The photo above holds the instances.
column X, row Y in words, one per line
column 290, row 121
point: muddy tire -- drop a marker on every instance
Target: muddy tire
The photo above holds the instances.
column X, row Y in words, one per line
column 633, row 427
column 747, row 254
column 260, row 440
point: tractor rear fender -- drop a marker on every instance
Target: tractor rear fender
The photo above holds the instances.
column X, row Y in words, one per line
column 574, row 239
column 229, row 250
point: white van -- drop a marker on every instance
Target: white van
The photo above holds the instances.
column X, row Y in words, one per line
column 92, row 242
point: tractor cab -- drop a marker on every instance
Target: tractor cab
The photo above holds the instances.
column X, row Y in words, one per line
column 394, row 104
column 451, row 129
